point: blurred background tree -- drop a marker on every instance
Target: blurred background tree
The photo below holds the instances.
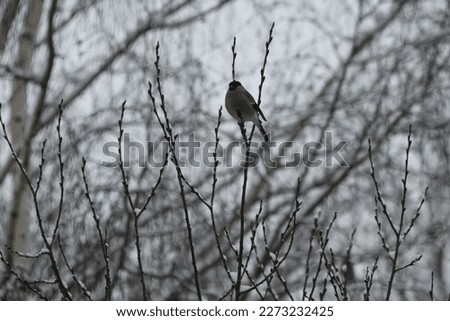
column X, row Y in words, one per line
column 357, row 69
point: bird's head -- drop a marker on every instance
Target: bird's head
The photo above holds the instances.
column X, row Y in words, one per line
column 233, row 85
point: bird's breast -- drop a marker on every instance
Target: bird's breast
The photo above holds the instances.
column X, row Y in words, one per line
column 237, row 105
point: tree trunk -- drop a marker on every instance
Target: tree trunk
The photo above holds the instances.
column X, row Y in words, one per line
column 18, row 229
column 7, row 18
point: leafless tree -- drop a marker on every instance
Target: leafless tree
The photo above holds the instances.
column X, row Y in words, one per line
column 300, row 226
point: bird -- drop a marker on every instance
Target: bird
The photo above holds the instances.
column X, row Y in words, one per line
column 241, row 105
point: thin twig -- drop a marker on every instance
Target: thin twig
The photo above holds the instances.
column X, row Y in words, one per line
column 34, row 191
column 247, row 142
column 210, row 205
column 277, row 258
column 432, row 287
column 308, row 256
column 377, row 188
column 103, row 243
column 233, row 50
column 332, row 270
column 321, row 257
column 21, row 280
column 61, row 173
column 134, row 212
column 121, row 166
column 379, row 229
column 266, row 55
column 253, row 235
column 168, row 135
column 368, row 280
column 230, row 242
column 242, row 212
column 324, row 290
column 399, row 236
column 213, row 192
column 80, row 284
column 152, row 192
column 417, row 214
column 42, row 252
column 274, row 270
column 277, row 263
column 347, row 259
column 413, row 261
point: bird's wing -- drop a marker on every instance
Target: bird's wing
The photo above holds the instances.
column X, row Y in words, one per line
column 255, row 105
column 260, row 112
column 250, row 97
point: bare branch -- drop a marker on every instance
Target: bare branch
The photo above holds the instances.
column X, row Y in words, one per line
column 103, row 242
column 34, row 190
column 368, row 280
column 61, row 173
column 168, row 134
column 80, row 284
column 21, row 280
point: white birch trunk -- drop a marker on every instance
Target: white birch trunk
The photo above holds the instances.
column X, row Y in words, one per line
column 18, row 229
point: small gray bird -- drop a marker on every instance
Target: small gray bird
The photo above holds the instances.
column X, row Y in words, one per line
column 242, row 106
